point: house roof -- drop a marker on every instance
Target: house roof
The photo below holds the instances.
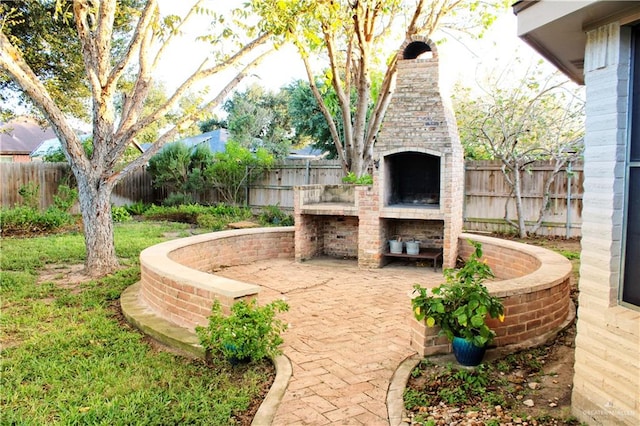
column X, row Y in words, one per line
column 49, row 146
column 307, row 152
column 557, row 29
column 216, row 139
column 22, row 135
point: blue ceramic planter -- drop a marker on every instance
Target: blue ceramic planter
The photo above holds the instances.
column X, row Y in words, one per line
column 467, row 353
column 233, row 359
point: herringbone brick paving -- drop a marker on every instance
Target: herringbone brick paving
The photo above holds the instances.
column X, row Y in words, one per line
column 348, row 333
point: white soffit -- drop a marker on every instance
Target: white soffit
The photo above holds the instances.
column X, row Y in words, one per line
column 557, row 29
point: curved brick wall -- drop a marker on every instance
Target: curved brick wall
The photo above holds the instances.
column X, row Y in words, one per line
column 534, row 288
column 176, row 282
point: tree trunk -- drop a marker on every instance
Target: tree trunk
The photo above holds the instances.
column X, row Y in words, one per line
column 517, row 187
column 544, row 208
column 95, row 203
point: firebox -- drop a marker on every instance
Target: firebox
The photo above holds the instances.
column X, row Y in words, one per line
column 413, row 179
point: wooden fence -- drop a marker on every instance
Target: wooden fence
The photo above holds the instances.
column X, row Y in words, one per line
column 487, row 194
column 135, row 187
column 276, row 186
column 486, row 190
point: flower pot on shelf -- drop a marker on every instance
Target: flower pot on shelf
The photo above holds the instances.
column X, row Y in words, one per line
column 395, row 246
column 466, row 352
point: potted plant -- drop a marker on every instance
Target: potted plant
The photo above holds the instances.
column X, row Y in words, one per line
column 460, row 307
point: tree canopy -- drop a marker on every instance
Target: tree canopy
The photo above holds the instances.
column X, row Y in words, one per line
column 46, row 35
column 259, row 118
column 351, row 37
column 113, row 53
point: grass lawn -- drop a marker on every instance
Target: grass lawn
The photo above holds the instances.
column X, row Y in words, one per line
column 67, row 358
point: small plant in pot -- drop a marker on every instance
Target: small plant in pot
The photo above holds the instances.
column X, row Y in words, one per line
column 249, row 333
column 460, row 307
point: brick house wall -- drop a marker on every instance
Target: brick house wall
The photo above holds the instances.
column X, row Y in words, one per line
column 607, row 366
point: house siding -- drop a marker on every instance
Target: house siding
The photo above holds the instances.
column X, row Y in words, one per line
column 607, row 370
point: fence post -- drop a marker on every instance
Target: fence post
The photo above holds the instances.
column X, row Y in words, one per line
column 569, row 173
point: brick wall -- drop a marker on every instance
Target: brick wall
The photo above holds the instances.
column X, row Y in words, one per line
column 176, row 279
column 606, row 381
column 371, row 236
column 534, row 291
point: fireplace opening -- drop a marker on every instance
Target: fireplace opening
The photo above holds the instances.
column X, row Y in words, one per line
column 412, row 179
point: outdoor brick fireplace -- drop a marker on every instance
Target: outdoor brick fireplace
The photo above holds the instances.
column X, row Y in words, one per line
column 418, row 179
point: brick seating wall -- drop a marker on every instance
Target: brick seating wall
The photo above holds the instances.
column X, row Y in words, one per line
column 177, row 280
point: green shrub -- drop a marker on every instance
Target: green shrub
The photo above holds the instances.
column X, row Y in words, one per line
column 120, row 214
column 231, row 170
column 178, row 199
column 138, row 208
column 30, row 194
column 353, row 179
column 190, row 213
column 273, row 215
column 65, row 198
column 211, row 222
column 250, row 332
column 54, row 218
column 460, row 306
column 23, row 219
column 17, row 218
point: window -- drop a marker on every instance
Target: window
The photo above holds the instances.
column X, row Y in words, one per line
column 631, row 250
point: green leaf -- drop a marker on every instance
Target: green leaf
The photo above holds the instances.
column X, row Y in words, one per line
column 477, row 320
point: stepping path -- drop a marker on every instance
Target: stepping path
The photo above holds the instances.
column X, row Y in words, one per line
column 348, row 334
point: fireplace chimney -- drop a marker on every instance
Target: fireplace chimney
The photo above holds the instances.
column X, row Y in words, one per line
column 419, row 177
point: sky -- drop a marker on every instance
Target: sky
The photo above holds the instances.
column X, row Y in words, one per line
column 457, row 61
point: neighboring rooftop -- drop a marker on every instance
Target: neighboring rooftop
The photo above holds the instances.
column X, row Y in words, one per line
column 22, row 135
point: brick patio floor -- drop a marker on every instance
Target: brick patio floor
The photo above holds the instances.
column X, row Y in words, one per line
column 348, row 334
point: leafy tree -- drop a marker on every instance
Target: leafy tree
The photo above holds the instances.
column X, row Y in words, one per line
column 351, row 36
column 307, row 118
column 259, row 118
column 51, row 47
column 180, row 169
column 155, row 99
column 109, row 56
column 540, row 117
column 57, row 155
column 234, row 169
column 170, row 167
column 212, row 124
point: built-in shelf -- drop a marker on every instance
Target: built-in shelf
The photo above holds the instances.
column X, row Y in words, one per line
column 425, row 253
column 413, row 212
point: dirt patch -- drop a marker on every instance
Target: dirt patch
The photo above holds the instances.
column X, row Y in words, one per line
column 65, row 276
column 531, row 387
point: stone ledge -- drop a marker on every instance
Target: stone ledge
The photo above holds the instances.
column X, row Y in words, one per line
column 162, row 330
